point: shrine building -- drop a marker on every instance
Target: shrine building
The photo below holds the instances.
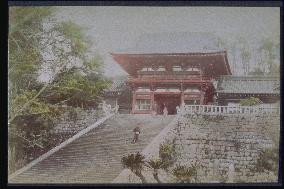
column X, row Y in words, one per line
column 231, row 89
column 171, row 69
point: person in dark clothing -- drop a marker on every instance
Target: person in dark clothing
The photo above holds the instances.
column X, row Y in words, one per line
column 136, row 132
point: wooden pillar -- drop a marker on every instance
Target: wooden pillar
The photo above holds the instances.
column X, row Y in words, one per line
column 181, row 98
column 202, row 98
column 133, row 101
column 152, row 103
column 182, row 94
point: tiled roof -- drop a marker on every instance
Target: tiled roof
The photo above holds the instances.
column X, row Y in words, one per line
column 248, row 84
column 178, row 42
column 118, row 84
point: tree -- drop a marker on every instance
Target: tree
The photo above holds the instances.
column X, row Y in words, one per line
column 53, row 46
column 135, row 163
column 25, row 59
column 155, row 164
column 39, row 44
column 25, row 31
column 234, row 54
column 76, row 90
column 256, row 71
column 268, row 52
column 245, row 55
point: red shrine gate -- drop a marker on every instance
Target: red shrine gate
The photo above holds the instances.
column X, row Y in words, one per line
column 159, row 80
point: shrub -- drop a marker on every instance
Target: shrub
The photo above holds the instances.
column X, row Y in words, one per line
column 185, row 174
column 250, row 101
column 135, row 163
column 268, row 160
column 166, row 153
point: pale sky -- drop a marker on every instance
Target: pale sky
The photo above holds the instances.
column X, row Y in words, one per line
column 112, row 28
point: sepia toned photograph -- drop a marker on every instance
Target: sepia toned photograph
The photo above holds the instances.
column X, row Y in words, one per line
column 143, row 94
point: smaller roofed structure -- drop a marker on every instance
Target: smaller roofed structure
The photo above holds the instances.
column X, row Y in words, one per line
column 248, row 84
column 117, row 87
column 119, row 93
column 234, row 88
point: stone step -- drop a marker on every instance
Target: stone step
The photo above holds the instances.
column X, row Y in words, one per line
column 120, row 132
column 101, row 153
column 109, row 141
column 96, row 156
column 125, row 126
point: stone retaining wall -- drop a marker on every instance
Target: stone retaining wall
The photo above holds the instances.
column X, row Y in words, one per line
column 213, row 143
column 223, row 148
column 69, row 124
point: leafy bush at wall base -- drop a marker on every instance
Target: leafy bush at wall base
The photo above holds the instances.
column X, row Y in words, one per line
column 268, row 161
column 167, row 154
column 184, row 174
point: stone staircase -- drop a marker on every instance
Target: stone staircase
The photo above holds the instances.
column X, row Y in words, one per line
column 96, row 156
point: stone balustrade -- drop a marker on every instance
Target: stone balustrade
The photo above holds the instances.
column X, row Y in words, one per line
column 213, row 109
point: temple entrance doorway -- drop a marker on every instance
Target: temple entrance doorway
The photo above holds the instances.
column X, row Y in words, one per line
column 171, row 101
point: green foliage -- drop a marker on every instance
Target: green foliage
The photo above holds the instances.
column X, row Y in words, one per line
column 245, row 54
column 250, row 101
column 34, row 35
column 268, row 51
column 74, row 112
column 75, row 34
column 257, row 71
column 135, row 163
column 268, row 160
column 94, row 64
column 28, row 41
column 36, row 107
column 77, row 90
column 274, row 70
column 166, row 153
column 155, row 163
column 185, row 174
column 25, row 33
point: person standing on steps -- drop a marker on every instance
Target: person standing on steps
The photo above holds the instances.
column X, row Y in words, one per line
column 136, row 132
column 165, row 110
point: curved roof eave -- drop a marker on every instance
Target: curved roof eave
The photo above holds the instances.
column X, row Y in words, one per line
column 121, row 58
